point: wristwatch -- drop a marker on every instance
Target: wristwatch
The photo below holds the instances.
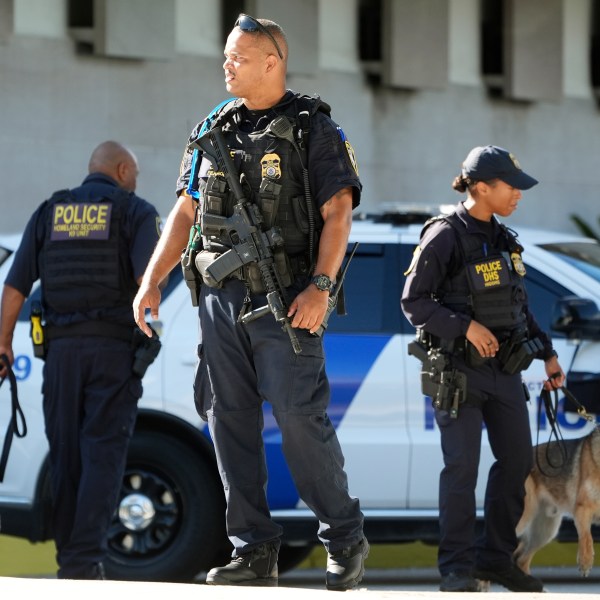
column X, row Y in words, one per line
column 322, row 282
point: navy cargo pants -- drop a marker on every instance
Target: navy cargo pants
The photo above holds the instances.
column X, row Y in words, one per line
column 242, row 366
column 496, row 400
column 90, row 405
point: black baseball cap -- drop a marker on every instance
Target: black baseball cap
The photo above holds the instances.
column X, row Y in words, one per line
column 485, row 163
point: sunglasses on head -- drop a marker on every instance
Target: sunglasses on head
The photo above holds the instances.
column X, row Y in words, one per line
column 249, row 24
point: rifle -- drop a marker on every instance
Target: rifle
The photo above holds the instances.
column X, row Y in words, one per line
column 333, row 297
column 249, row 243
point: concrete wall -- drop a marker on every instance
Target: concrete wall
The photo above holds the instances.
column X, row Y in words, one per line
column 56, row 105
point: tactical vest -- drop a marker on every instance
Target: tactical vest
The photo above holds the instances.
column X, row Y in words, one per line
column 271, row 168
column 489, row 284
column 84, row 259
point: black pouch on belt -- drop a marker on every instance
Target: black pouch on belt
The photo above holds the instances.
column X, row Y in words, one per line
column 522, row 356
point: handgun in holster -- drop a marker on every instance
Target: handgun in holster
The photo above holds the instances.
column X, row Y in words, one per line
column 190, row 272
column 446, row 386
column 36, row 332
column 146, row 350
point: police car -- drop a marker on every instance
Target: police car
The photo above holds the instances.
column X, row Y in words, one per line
column 169, row 524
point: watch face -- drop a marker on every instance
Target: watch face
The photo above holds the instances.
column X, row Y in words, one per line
column 322, row 282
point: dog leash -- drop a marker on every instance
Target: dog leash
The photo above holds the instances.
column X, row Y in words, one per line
column 17, row 424
column 551, row 408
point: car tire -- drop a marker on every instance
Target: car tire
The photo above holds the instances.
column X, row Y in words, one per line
column 170, row 521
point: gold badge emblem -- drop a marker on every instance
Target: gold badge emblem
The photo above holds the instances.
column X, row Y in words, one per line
column 271, row 166
column 517, row 262
column 515, row 161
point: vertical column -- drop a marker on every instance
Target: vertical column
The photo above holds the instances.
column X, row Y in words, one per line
column 534, row 49
column 134, row 28
column 464, row 42
column 300, row 21
column 415, row 43
column 338, row 35
column 6, row 19
column 198, row 27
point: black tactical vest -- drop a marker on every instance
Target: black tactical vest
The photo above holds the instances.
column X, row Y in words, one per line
column 489, row 283
column 274, row 180
column 84, row 259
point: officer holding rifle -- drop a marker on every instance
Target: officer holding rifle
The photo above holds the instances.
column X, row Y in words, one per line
column 265, row 195
column 466, row 295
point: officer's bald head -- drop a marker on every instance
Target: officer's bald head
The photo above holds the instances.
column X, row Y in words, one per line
column 116, row 161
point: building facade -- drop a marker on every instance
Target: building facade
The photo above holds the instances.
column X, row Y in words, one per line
column 414, row 83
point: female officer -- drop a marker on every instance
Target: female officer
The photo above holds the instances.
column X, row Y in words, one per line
column 465, row 295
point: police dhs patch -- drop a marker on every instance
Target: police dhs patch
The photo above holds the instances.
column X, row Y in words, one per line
column 489, row 273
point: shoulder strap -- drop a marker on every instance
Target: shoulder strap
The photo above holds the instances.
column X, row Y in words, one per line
column 511, row 236
column 64, row 195
column 216, row 114
column 312, row 103
column 436, row 219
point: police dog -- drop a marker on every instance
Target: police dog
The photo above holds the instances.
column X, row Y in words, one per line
column 565, row 480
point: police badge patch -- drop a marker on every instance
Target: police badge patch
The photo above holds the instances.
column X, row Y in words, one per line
column 349, row 150
column 515, row 161
column 271, row 166
column 518, row 265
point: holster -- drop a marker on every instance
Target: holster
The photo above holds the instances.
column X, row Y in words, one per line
column 188, row 264
column 146, row 351
column 445, row 385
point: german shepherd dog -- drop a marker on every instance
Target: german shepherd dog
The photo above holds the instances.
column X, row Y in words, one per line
column 565, row 480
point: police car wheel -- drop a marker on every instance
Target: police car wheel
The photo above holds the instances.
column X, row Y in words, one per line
column 167, row 525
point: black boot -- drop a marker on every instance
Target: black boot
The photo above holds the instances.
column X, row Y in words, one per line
column 345, row 568
column 100, row 572
column 459, row 581
column 257, row 567
column 512, row 578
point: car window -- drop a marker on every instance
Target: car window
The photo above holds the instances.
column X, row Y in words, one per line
column 543, row 292
column 372, row 291
column 584, row 256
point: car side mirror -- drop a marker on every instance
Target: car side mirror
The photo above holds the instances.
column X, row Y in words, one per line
column 577, row 318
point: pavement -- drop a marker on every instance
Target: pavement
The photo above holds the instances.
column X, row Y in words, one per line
column 378, row 585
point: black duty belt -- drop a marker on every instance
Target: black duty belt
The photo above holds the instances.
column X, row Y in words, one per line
column 91, row 328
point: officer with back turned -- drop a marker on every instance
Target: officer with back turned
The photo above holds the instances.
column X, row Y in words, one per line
column 282, row 222
column 465, row 293
column 89, row 246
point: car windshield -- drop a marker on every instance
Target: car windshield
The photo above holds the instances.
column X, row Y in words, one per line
column 584, row 256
